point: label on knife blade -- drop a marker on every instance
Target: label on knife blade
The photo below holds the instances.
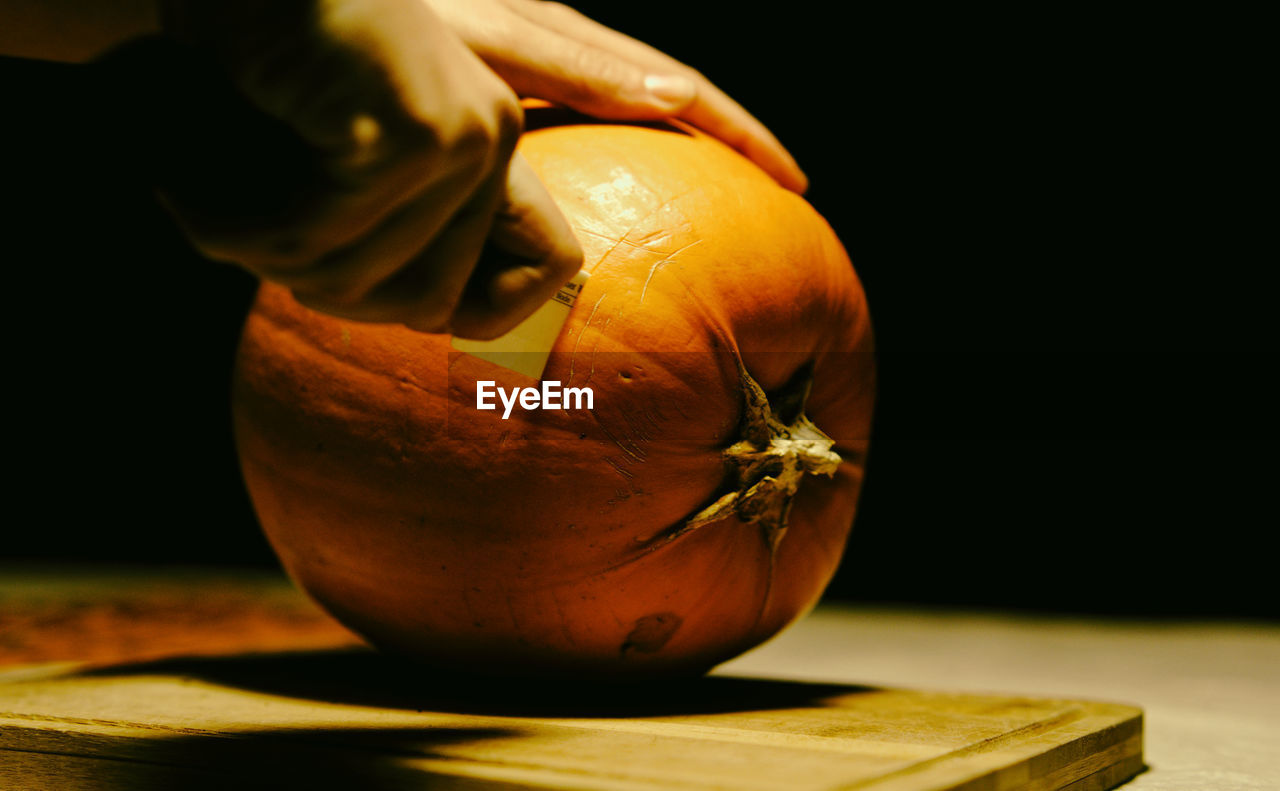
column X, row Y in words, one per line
column 526, row 347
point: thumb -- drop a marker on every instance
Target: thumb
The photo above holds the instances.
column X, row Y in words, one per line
column 531, row 253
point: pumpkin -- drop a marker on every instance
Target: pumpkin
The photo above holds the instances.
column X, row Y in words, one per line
column 700, row 506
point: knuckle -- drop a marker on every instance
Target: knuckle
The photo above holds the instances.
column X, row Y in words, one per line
column 398, row 140
column 412, row 134
column 486, row 136
column 509, row 120
column 471, row 137
column 599, row 76
column 375, row 150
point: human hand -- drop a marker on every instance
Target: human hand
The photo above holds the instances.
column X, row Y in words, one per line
column 550, row 51
column 408, row 141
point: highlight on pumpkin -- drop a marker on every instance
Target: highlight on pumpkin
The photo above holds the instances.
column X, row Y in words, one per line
column 695, row 503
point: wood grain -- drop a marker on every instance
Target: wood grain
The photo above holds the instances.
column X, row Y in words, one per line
column 247, row 714
column 355, row 717
column 104, row 616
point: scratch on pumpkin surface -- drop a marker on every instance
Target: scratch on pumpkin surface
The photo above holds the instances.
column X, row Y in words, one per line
column 573, row 355
column 623, row 238
column 615, row 243
column 608, row 252
column 637, row 424
column 668, row 259
column 600, row 334
column 618, row 468
column 635, row 453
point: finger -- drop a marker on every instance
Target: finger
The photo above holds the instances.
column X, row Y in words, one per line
column 530, row 225
column 537, row 61
column 348, row 275
column 307, row 242
column 330, row 210
column 723, row 118
column 380, row 128
column 711, row 110
column 426, row 289
column 532, row 253
column 420, row 111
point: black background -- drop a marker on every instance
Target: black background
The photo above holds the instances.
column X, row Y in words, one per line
column 1052, row 216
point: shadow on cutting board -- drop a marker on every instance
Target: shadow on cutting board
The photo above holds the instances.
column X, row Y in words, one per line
column 352, row 718
column 364, row 758
column 362, row 677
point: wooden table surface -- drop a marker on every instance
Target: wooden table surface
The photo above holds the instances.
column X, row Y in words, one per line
column 1210, row 690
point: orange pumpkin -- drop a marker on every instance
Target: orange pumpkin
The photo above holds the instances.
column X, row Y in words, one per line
column 693, row 513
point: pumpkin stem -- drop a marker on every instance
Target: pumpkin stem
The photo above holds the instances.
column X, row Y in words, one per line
column 779, row 446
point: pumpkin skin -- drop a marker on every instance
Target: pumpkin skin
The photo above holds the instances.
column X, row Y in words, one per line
column 557, row 541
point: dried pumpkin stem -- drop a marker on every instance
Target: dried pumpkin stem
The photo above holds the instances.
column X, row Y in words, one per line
column 779, row 446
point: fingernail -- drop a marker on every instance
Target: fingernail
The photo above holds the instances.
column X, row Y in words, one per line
column 802, row 186
column 670, row 88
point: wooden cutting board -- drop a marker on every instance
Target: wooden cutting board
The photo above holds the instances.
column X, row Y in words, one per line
column 135, row 680
column 352, row 719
